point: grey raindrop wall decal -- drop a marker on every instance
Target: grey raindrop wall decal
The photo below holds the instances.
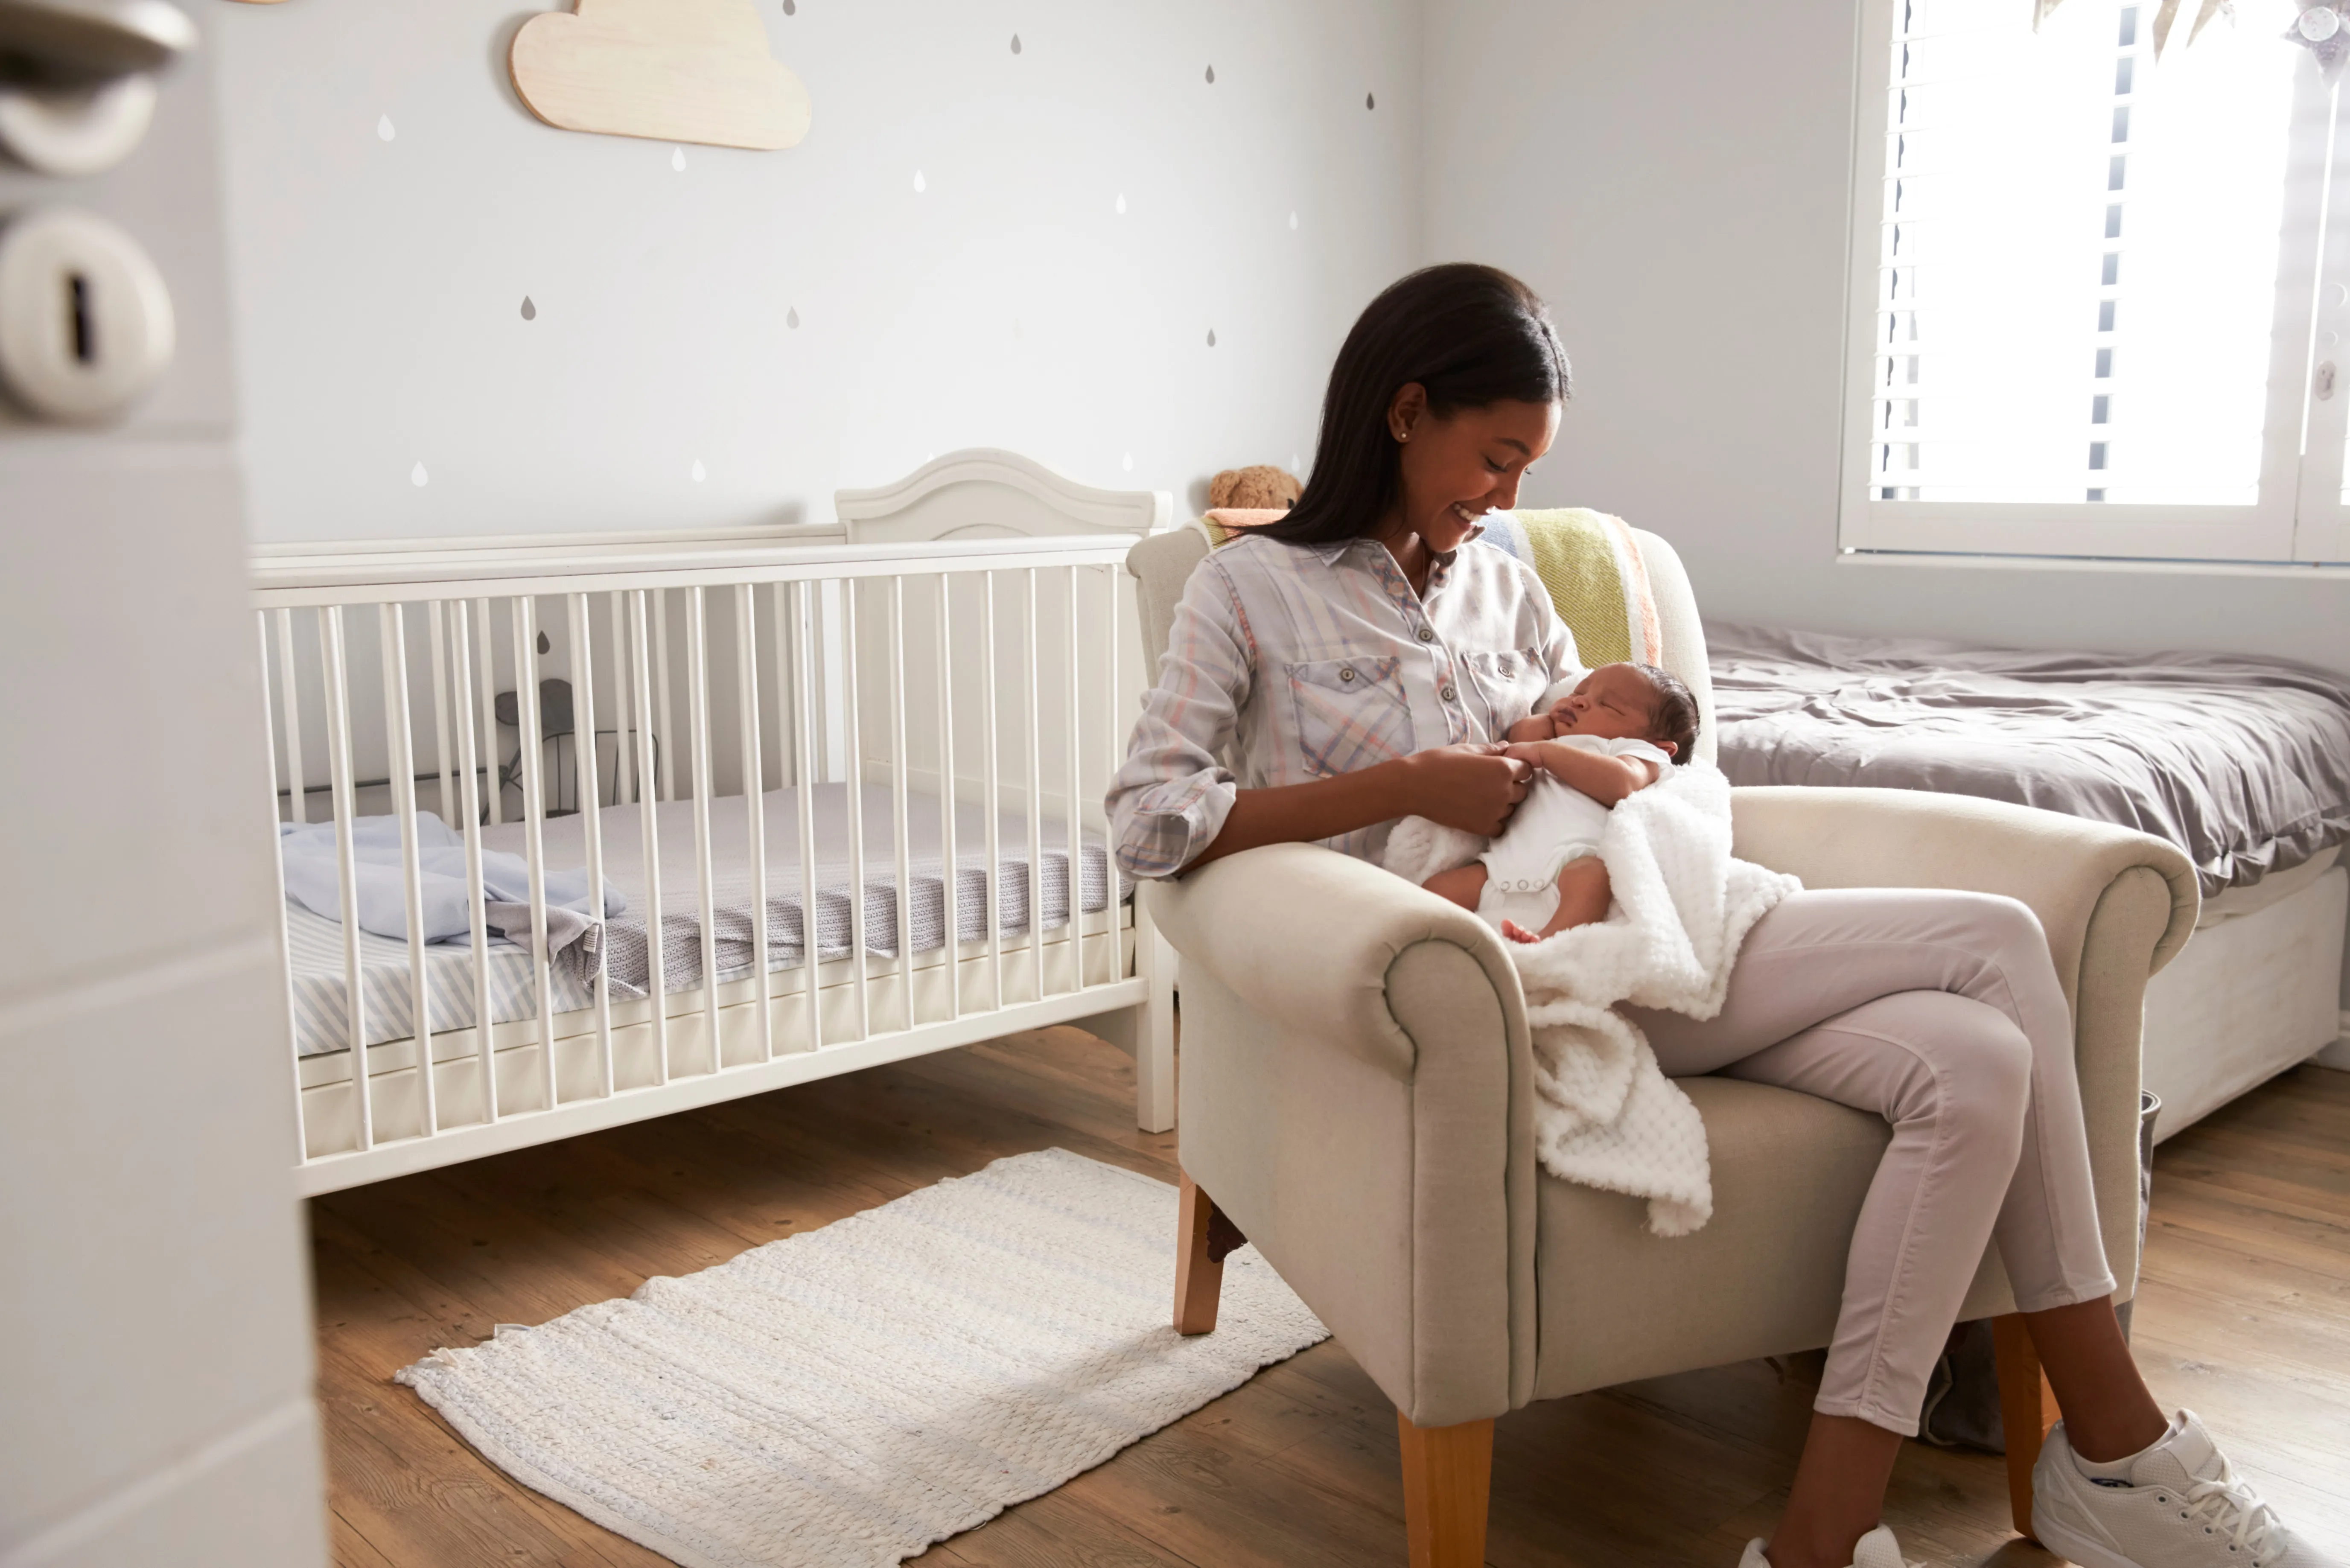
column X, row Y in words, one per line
column 546, row 646
column 1016, row 43
column 1212, row 338
column 1211, row 76
column 791, row 8
column 529, row 311
column 383, row 127
column 792, row 319
column 417, row 476
column 1370, row 101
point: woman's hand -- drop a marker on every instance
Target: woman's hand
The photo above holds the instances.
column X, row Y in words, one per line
column 1473, row 787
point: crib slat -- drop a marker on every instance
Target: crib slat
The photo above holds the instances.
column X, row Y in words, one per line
column 477, row 915
column 1033, row 667
column 1070, row 746
column 662, row 730
column 496, row 787
column 277, row 846
column 622, row 749
column 754, row 801
column 697, row 707
column 592, row 820
column 400, row 751
column 949, row 866
column 347, row 887
column 993, row 799
column 853, row 772
column 289, row 695
column 440, row 761
column 804, row 775
column 1113, row 758
column 897, row 802
column 534, row 808
column 648, row 823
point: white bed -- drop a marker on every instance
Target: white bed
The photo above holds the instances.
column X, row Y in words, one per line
column 957, row 635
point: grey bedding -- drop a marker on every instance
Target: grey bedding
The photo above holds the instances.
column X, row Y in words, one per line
column 316, row 945
column 2244, row 763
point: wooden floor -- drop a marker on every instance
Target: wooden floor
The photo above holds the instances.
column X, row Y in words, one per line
column 2245, row 1317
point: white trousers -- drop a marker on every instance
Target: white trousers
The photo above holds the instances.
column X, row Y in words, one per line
column 1941, row 1013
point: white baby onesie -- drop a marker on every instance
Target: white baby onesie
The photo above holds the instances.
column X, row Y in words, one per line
column 1554, row 825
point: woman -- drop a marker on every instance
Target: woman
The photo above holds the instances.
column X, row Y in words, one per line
column 1356, row 663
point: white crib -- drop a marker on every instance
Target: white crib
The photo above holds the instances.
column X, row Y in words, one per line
column 926, row 703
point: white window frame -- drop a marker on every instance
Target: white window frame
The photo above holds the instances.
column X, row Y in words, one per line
column 2299, row 518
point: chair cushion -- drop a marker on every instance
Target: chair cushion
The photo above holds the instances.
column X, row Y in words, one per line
column 1618, row 1303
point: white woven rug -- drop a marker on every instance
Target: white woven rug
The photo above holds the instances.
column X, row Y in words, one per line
column 844, row 1398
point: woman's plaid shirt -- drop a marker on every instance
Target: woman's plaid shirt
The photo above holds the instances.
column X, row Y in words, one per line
column 1290, row 662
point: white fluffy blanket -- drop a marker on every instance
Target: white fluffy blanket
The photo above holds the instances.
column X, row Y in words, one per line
column 1607, row 1116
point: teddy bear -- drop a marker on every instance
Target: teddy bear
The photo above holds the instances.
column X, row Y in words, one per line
column 1263, row 488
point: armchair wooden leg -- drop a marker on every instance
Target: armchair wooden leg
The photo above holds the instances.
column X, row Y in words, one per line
column 1447, row 1479
column 2027, row 1408
column 1204, row 1239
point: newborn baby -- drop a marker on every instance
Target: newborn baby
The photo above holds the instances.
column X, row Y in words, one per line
column 1601, row 742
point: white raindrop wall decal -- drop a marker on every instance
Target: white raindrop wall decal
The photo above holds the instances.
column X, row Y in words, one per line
column 699, row 472
column 1293, row 223
column 677, row 159
column 792, row 319
column 383, row 127
column 921, row 184
column 1016, row 43
column 529, row 311
column 1126, row 462
column 417, row 476
column 1121, row 203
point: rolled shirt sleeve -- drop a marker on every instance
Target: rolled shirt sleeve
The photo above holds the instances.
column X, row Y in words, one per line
column 1170, row 798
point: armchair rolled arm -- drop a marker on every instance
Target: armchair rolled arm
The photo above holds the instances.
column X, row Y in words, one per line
column 2117, row 905
column 1306, row 936
column 1356, row 1092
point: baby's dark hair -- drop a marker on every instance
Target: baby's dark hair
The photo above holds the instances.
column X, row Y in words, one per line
column 1674, row 718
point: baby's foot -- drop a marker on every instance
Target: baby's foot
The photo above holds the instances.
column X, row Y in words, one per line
column 1518, row 933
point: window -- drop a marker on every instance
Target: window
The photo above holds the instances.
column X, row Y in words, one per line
column 2094, row 310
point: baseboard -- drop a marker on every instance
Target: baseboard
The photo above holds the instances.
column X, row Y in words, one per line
column 2337, row 1055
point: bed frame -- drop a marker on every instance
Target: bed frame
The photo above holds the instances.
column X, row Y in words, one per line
column 961, row 634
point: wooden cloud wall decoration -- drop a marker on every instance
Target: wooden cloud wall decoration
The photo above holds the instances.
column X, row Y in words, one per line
column 672, row 70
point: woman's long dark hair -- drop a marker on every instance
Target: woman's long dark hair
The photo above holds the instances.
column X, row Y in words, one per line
column 1472, row 335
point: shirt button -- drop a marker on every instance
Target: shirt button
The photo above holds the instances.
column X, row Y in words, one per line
column 1345, row 675
column 1426, row 635
column 1448, row 695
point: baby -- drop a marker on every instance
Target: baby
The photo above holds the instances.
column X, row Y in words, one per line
column 1607, row 738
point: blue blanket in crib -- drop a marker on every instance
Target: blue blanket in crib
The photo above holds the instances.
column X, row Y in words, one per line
column 308, row 849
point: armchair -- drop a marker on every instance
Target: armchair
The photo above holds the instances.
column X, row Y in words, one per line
column 1364, row 1111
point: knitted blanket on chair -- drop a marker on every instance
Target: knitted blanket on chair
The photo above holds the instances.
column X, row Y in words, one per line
column 1605, row 1114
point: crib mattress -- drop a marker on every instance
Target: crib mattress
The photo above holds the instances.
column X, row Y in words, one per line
column 2242, row 762
column 315, row 944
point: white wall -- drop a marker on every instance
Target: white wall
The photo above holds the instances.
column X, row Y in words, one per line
column 379, row 284
column 1674, row 178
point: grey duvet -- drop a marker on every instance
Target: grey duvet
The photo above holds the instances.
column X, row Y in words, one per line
column 2244, row 763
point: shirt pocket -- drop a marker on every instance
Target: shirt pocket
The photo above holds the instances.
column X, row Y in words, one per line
column 1511, row 681
column 1350, row 713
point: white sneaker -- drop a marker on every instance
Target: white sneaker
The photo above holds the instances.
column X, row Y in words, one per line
column 2183, row 1506
column 1877, row 1549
